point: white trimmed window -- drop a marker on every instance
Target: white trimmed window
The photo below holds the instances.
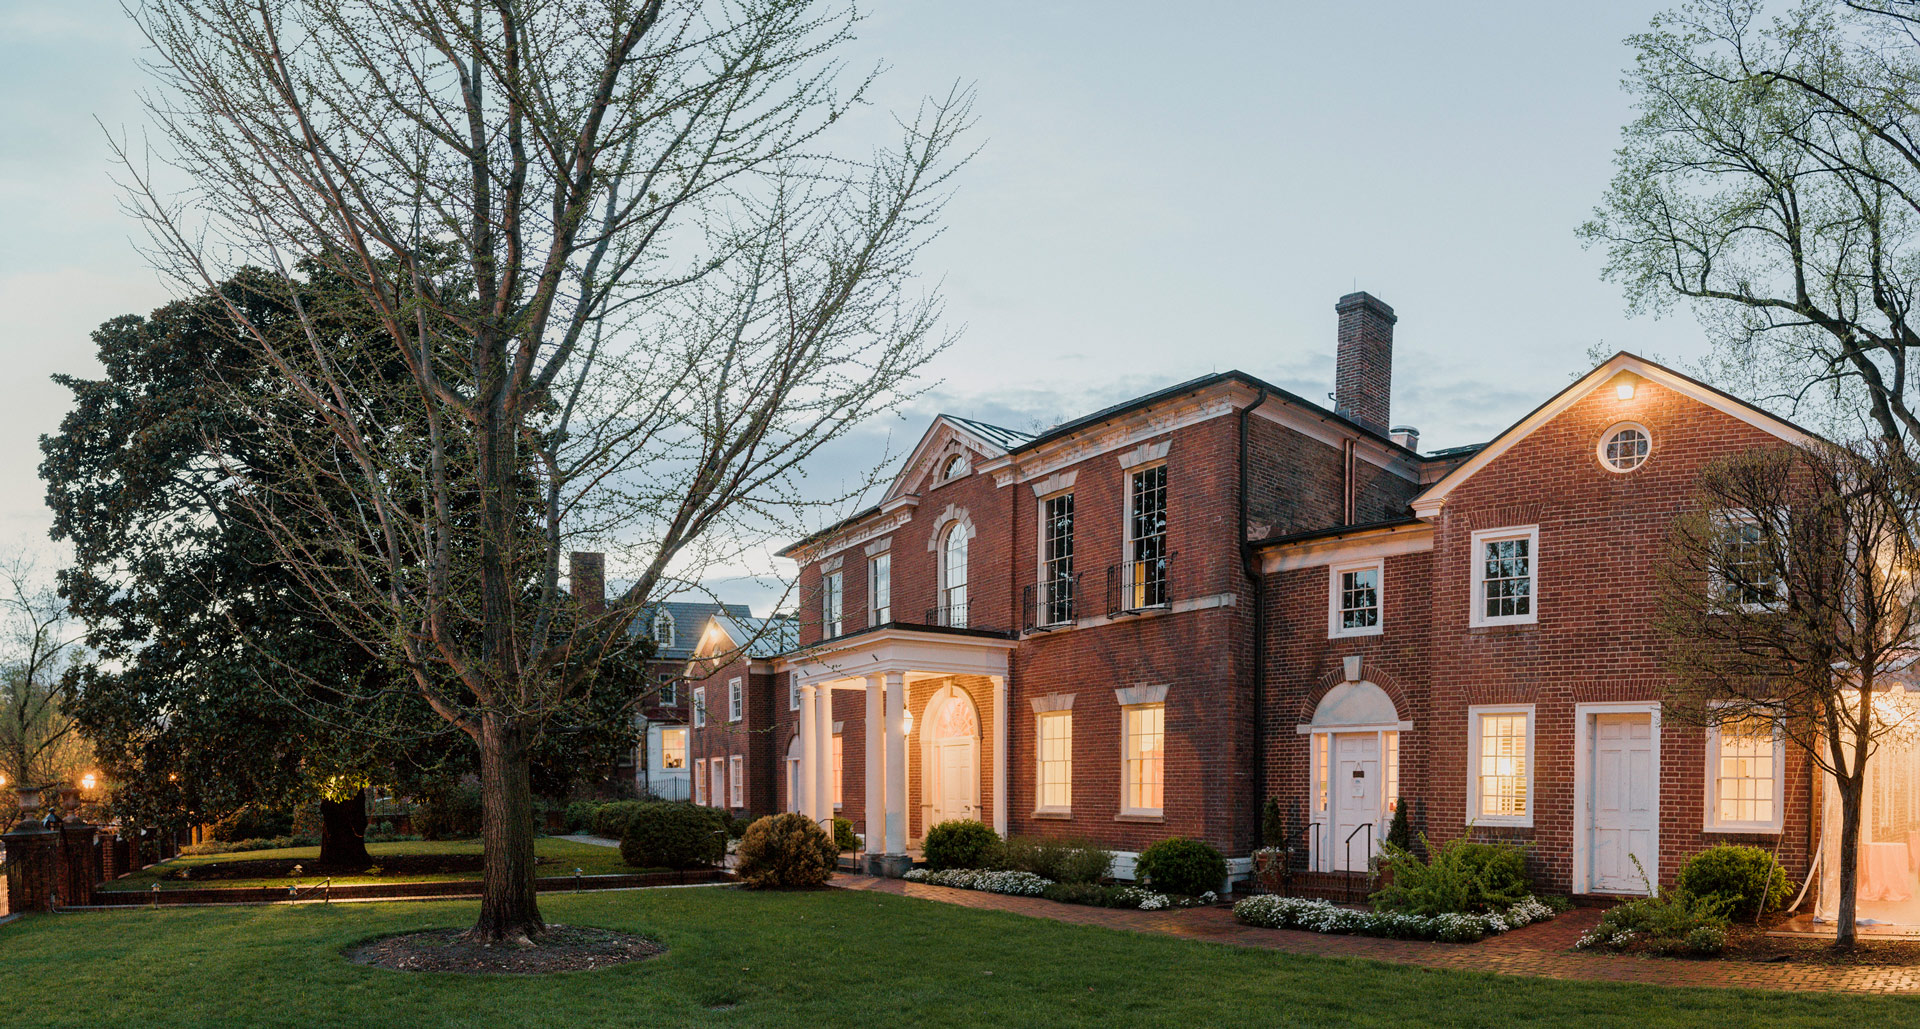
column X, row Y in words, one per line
column 831, row 593
column 699, row 707
column 737, row 780
column 880, row 589
column 953, row 578
column 1144, row 576
column 1746, row 765
column 669, row 694
column 1054, row 732
column 1500, row 782
column 1144, row 752
column 1353, row 601
column 673, row 747
column 663, row 630
column 699, row 782
column 1322, row 774
column 1744, row 570
column 1624, row 447
column 839, row 764
column 1055, row 602
column 1506, row 576
column 793, row 694
column 734, row 700
column 717, row 775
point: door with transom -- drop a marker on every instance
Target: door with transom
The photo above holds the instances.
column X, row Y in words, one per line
column 1623, row 804
column 1356, row 800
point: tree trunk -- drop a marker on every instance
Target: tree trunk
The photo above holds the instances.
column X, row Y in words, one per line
column 1850, row 796
column 343, row 834
column 509, row 910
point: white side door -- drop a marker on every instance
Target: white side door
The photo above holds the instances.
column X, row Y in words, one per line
column 1625, row 822
column 1356, row 800
column 956, row 774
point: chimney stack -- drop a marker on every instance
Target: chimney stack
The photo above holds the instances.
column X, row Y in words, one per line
column 587, row 580
column 1363, row 362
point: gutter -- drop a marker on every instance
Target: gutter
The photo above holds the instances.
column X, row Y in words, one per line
column 1250, row 565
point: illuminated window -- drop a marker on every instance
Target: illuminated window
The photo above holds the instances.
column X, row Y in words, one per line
column 1393, row 771
column 718, row 778
column 1745, row 767
column 700, row 782
column 1055, row 747
column 1504, row 576
column 1322, row 777
column 1354, row 600
column 1145, row 758
column 839, row 775
column 1503, row 758
column 736, row 780
column 1624, row 447
column 673, row 747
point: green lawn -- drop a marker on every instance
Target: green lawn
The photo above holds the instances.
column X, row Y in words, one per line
column 566, row 856
column 825, row 958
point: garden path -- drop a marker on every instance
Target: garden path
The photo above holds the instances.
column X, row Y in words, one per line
column 1543, row 949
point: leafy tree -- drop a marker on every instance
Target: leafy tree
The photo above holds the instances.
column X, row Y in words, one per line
column 39, row 744
column 618, row 268
column 1788, row 599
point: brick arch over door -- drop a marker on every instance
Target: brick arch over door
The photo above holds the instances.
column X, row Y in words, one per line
column 1369, row 672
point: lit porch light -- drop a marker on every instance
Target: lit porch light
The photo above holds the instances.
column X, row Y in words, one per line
column 88, row 781
column 1624, row 385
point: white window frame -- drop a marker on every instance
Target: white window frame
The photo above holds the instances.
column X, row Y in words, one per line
column 1128, row 539
column 1378, row 567
column 664, row 641
column 1717, row 583
column 1600, row 447
column 945, row 571
column 1477, row 613
column 1040, row 577
column 736, row 700
column 668, row 694
column 699, row 707
column 1040, row 807
column 669, row 732
column 1474, row 715
column 880, row 588
column 716, row 771
column 700, row 782
column 737, row 781
column 793, row 693
column 1713, row 821
column 1127, row 810
column 832, row 604
column 839, row 772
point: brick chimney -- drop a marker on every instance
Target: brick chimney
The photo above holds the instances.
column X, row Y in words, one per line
column 1363, row 362
column 587, row 580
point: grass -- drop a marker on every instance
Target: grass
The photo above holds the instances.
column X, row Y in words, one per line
column 820, row 958
column 565, row 855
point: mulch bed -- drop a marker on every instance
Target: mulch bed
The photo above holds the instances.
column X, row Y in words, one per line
column 1751, row 943
column 563, row 948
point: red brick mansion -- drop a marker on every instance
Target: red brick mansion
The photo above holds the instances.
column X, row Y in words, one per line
column 1146, row 621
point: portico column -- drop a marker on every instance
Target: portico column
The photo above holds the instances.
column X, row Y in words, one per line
column 1000, row 784
column 823, row 747
column 896, row 764
column 876, row 734
column 808, row 759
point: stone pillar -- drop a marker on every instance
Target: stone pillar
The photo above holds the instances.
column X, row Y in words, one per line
column 33, row 859
column 809, row 739
column 823, row 748
column 895, row 860
column 876, row 768
column 1000, row 735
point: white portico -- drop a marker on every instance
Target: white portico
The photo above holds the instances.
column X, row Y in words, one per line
column 886, row 663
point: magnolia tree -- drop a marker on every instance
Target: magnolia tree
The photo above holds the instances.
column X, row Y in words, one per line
column 1788, row 599
column 624, row 286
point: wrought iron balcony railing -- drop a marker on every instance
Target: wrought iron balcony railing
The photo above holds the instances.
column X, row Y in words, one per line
column 1135, row 586
column 1050, row 603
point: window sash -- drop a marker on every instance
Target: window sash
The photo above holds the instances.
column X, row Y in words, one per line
column 673, row 748
column 880, row 589
column 1743, row 574
column 1501, row 765
column 1356, row 600
column 954, row 576
column 699, row 782
column 1745, row 765
column 1145, row 759
column 1056, row 551
column 1055, row 752
column 830, row 596
column 839, row 777
column 699, row 707
column 1147, row 536
column 736, row 785
column 733, row 700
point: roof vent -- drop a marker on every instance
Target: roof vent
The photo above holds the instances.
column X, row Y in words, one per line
column 1407, row 436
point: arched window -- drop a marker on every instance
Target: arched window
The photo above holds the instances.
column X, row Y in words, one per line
column 953, row 576
column 955, row 467
column 663, row 630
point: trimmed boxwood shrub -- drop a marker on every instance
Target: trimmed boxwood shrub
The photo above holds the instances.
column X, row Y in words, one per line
column 786, row 851
column 1748, row 878
column 1063, row 861
column 1180, row 865
column 1463, row 877
column 610, row 820
column 450, row 813
column 666, row 834
column 961, row 843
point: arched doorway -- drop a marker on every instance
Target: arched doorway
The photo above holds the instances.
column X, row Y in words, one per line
column 949, row 758
column 1353, row 774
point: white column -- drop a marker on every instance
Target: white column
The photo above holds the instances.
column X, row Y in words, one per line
column 1000, row 734
column 876, row 827
column 823, row 746
column 896, row 763
column 808, row 758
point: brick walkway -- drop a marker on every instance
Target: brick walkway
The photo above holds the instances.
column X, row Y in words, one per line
column 1543, row 949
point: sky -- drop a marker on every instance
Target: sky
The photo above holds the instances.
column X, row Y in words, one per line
column 1163, row 191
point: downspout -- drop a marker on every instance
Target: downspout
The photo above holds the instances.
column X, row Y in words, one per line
column 1258, row 673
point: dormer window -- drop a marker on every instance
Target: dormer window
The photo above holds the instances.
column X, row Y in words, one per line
column 663, row 630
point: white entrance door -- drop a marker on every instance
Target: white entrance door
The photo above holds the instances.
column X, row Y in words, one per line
column 1625, row 823
column 1355, row 800
column 956, row 782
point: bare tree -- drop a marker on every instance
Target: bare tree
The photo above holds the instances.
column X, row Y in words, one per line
column 39, row 742
column 1771, row 181
column 625, row 288
column 1788, row 598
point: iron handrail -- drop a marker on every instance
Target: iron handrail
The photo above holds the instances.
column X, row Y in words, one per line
column 1368, row 826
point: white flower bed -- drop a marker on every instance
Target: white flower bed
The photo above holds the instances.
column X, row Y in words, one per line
column 1018, row 884
column 1321, row 916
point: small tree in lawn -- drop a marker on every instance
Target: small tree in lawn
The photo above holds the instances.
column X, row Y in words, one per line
column 1787, row 596
column 624, row 290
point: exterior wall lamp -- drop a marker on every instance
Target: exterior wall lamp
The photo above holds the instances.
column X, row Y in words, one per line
column 1624, row 384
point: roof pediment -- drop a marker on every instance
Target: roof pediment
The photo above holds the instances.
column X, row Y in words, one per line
column 949, row 436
